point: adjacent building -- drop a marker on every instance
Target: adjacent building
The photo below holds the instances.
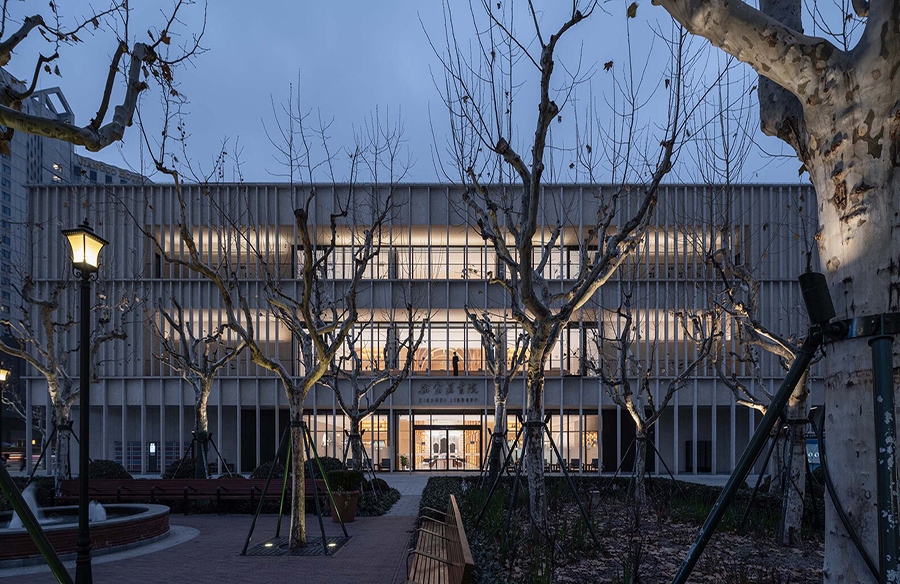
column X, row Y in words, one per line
column 34, row 160
column 433, row 257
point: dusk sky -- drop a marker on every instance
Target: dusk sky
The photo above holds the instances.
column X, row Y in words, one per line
column 353, row 57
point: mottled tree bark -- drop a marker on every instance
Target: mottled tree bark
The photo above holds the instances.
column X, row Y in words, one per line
column 795, row 474
column 498, row 435
column 62, row 417
column 356, row 446
column 297, row 538
column 534, row 418
column 201, row 430
column 849, row 141
column 640, row 465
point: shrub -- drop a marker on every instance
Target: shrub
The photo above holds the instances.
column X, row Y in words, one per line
column 331, row 463
column 344, row 480
column 378, row 485
column 107, row 469
column 262, row 471
column 373, row 505
column 186, row 471
column 43, row 491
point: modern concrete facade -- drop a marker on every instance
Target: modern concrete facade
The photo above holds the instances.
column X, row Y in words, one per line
column 142, row 412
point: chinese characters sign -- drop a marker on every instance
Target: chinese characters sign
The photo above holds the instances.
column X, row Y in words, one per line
column 447, row 393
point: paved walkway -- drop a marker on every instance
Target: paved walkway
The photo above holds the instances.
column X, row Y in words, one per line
column 410, row 487
column 375, row 555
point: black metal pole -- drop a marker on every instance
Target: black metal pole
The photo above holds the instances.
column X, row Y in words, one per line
column 885, row 441
column 584, row 513
column 287, row 465
column 83, row 573
column 748, row 458
column 322, row 472
column 759, row 480
column 490, row 494
column 312, row 476
column 262, row 496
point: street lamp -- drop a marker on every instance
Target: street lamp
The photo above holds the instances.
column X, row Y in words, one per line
column 86, row 246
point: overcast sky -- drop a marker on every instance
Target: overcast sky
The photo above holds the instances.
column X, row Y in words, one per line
column 351, row 57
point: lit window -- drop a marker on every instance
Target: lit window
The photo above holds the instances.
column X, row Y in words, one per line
column 4, row 308
column 56, row 166
column 56, row 178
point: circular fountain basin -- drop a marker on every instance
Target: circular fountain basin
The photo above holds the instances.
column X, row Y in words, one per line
column 125, row 526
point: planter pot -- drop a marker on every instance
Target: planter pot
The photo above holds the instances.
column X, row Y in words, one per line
column 344, row 505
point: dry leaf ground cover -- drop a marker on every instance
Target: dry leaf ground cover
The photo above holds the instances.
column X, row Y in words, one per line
column 637, row 544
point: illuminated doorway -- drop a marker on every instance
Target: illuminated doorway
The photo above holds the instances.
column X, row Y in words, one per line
column 447, row 447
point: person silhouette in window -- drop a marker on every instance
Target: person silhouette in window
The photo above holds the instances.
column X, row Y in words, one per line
column 455, row 364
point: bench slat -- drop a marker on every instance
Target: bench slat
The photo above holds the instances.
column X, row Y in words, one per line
column 442, row 554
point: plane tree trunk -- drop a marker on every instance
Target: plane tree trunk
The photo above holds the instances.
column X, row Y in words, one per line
column 498, row 435
column 201, row 431
column 298, row 476
column 534, row 419
column 356, row 446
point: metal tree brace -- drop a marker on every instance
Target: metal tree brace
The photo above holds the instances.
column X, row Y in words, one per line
column 200, row 443
column 495, row 440
column 62, row 427
column 285, row 449
column 515, row 491
column 821, row 331
column 367, row 464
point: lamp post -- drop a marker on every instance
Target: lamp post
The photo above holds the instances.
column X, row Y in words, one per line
column 4, row 375
column 86, row 246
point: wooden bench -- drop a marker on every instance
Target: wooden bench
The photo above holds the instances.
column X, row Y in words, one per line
column 184, row 490
column 442, row 554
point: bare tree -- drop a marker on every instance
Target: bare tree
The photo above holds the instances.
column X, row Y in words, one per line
column 739, row 297
column 628, row 377
column 502, row 367
column 318, row 315
column 724, row 141
column 373, row 382
column 836, row 107
column 42, row 338
column 523, row 225
column 198, row 356
column 132, row 63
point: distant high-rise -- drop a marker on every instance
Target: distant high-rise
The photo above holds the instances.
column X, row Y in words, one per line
column 35, row 160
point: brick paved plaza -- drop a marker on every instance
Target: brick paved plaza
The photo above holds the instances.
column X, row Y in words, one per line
column 376, row 554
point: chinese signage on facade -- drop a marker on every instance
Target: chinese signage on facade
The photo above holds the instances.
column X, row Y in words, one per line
column 447, row 393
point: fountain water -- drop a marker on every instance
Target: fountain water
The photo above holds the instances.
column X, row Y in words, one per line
column 31, row 501
column 96, row 511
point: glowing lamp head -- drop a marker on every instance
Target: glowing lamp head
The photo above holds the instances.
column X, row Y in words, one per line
column 86, row 246
column 4, row 374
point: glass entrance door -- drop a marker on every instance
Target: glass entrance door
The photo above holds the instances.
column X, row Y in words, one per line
column 447, row 448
